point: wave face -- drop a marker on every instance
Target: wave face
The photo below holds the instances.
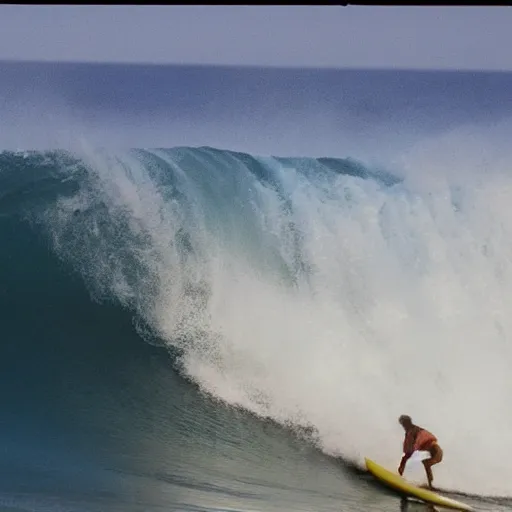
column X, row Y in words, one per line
column 319, row 293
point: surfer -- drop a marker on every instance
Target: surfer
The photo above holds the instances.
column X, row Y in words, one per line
column 419, row 439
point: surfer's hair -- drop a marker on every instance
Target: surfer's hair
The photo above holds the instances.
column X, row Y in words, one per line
column 405, row 419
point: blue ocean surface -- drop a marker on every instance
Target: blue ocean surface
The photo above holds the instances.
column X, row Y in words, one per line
column 220, row 287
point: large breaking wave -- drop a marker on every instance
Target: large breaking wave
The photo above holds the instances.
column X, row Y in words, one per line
column 316, row 292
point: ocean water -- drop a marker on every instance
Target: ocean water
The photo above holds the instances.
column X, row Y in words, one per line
column 220, row 287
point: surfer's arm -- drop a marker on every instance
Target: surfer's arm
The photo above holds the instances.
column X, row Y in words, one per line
column 408, row 450
column 405, row 458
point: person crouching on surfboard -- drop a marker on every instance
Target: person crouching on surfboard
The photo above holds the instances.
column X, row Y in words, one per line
column 419, row 439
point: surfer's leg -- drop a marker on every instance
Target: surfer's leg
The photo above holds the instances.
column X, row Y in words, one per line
column 428, row 470
column 436, row 456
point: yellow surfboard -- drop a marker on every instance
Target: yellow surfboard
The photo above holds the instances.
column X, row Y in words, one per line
column 395, row 481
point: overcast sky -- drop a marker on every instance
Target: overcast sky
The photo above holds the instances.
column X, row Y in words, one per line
column 353, row 36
